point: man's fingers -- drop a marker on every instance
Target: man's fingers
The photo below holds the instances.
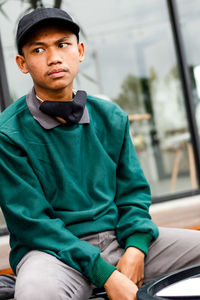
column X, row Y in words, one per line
column 139, row 283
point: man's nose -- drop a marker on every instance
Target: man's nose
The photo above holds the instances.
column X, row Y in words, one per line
column 53, row 56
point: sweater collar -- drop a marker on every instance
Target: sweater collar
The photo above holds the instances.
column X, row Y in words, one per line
column 46, row 121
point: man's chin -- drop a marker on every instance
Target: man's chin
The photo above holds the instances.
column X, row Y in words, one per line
column 58, row 87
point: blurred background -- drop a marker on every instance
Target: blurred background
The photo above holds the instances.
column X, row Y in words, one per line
column 143, row 55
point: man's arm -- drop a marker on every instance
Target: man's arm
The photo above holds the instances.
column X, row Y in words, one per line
column 133, row 198
column 31, row 219
column 131, row 265
column 135, row 230
column 118, row 286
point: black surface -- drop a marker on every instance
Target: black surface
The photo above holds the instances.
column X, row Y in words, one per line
column 149, row 290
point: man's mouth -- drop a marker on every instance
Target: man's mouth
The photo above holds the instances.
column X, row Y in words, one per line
column 57, row 73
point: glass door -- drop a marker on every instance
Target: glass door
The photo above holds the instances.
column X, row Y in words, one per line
column 131, row 60
column 189, row 22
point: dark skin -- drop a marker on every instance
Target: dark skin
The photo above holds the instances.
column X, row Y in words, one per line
column 52, row 56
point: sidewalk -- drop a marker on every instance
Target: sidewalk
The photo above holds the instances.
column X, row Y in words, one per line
column 179, row 213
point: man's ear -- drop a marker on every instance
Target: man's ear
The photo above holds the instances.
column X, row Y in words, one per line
column 21, row 62
column 81, row 50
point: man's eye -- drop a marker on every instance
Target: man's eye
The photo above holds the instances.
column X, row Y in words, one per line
column 62, row 45
column 38, row 50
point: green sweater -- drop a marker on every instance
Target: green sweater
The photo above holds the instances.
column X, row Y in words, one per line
column 61, row 184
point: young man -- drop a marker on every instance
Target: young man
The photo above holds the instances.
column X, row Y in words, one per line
column 72, row 191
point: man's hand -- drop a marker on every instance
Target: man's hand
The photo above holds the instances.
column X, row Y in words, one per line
column 131, row 265
column 118, row 286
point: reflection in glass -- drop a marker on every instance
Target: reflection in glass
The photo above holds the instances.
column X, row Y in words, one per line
column 190, row 22
column 135, row 66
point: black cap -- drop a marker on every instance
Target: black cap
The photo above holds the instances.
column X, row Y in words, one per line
column 40, row 15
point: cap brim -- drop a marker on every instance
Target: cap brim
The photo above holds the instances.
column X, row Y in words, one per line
column 69, row 25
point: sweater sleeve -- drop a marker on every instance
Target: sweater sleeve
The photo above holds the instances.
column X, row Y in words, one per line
column 135, row 227
column 31, row 221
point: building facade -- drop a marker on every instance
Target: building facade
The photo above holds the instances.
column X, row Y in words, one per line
column 145, row 56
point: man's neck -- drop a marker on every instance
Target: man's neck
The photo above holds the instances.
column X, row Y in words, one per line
column 58, row 95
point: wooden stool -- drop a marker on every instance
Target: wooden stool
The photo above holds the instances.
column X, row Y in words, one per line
column 192, row 168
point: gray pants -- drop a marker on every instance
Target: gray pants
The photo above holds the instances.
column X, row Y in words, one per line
column 41, row 276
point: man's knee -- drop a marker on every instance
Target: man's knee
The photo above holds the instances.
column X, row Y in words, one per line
column 42, row 276
column 174, row 249
column 36, row 288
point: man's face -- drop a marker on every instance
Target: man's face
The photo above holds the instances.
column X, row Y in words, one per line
column 51, row 56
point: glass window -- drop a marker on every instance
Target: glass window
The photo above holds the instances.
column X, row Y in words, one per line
column 130, row 59
column 2, row 223
column 189, row 23
column 18, row 83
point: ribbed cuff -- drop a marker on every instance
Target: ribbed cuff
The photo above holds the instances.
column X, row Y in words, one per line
column 139, row 240
column 101, row 271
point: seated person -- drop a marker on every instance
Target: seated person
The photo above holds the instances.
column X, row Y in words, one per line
column 73, row 194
